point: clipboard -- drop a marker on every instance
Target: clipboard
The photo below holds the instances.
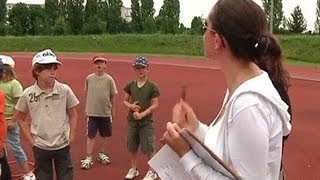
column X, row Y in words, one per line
column 209, row 157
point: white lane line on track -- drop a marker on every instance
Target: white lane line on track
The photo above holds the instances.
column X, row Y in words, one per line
column 124, row 60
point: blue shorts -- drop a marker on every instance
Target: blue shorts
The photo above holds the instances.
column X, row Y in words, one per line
column 103, row 124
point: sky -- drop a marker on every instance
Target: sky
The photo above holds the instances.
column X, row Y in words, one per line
column 191, row 8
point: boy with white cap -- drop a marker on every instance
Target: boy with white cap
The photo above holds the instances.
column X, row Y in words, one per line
column 101, row 90
column 52, row 107
column 13, row 90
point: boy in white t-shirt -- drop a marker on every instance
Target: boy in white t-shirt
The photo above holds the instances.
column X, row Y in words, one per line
column 52, row 108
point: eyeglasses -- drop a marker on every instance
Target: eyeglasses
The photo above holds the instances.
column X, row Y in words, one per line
column 205, row 27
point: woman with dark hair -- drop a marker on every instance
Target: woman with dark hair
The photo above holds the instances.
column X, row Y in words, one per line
column 247, row 132
column 281, row 84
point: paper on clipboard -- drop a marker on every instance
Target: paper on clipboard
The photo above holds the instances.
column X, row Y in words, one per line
column 209, row 157
column 166, row 161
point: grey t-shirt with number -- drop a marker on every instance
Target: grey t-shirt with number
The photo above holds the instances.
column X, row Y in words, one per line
column 50, row 126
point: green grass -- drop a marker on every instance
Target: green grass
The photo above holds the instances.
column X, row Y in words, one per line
column 298, row 49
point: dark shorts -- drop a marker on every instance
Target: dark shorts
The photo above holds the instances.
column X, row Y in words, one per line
column 103, row 124
column 141, row 133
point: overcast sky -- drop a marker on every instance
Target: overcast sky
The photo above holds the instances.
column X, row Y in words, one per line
column 191, row 8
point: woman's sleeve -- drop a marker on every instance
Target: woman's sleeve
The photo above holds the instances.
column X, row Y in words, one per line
column 201, row 131
column 248, row 143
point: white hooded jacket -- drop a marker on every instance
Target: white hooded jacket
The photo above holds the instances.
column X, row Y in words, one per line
column 248, row 135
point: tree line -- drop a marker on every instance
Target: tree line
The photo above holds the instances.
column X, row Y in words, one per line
column 64, row 17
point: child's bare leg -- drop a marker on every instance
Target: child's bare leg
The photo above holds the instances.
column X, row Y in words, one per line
column 90, row 144
column 104, row 145
column 133, row 158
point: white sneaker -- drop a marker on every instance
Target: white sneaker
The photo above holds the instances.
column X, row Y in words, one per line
column 151, row 175
column 103, row 158
column 29, row 176
column 87, row 163
column 132, row 173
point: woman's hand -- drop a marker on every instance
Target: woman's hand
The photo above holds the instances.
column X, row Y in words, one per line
column 173, row 138
column 184, row 116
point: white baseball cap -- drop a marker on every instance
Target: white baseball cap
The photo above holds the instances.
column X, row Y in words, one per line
column 45, row 57
column 7, row 60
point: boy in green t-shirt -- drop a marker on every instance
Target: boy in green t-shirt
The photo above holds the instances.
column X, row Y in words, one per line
column 141, row 98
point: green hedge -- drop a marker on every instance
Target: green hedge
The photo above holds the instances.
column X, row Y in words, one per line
column 298, row 48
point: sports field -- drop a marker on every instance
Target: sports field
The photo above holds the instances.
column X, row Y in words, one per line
column 206, row 87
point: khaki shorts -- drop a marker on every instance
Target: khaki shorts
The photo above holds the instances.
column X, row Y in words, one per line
column 141, row 133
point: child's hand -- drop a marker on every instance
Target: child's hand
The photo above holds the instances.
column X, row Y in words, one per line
column 138, row 115
column 135, row 107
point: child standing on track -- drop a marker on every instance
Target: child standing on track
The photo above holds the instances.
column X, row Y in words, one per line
column 141, row 98
column 101, row 90
column 52, row 108
column 13, row 89
column 5, row 173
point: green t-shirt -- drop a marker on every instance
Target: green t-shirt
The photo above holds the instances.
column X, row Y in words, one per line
column 13, row 90
column 143, row 94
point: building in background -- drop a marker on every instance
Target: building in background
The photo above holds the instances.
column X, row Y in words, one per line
column 126, row 13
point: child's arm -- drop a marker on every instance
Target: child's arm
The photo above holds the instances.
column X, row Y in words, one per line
column 73, row 119
column 113, row 100
column 20, row 117
column 134, row 106
column 154, row 105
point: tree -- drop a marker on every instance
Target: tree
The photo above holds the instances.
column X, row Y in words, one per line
column 277, row 13
column 297, row 22
column 75, row 15
column 136, row 23
column 3, row 11
column 63, row 9
column 3, row 15
column 19, row 19
column 147, row 19
column 149, row 25
column 90, row 10
column 114, row 20
column 37, row 19
column 94, row 25
column 317, row 23
column 52, row 9
column 61, row 26
column 197, row 25
column 147, row 9
column 168, row 18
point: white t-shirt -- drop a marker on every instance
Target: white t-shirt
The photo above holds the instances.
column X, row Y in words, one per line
column 248, row 137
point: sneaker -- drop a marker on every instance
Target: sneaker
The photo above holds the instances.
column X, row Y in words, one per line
column 87, row 163
column 29, row 176
column 151, row 175
column 103, row 158
column 132, row 173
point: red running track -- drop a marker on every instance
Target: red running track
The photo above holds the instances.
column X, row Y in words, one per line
column 206, row 87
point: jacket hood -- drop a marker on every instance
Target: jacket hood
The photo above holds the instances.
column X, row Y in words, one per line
column 263, row 86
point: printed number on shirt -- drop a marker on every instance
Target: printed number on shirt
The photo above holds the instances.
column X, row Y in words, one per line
column 33, row 97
